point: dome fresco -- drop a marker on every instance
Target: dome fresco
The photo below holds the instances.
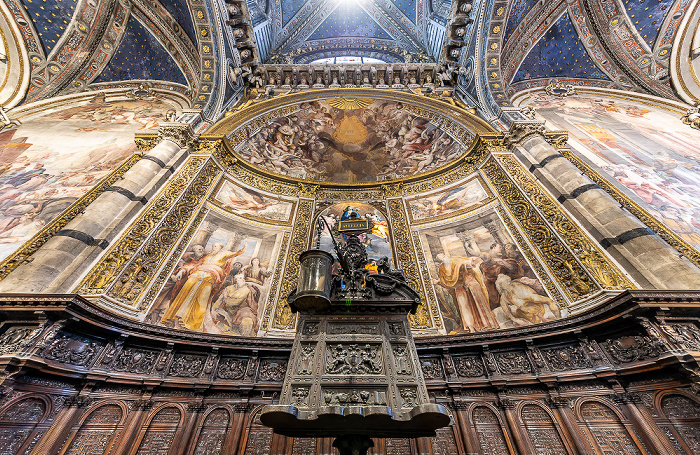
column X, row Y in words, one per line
column 344, row 142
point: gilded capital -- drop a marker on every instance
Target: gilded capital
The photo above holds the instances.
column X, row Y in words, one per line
column 524, row 129
column 180, row 133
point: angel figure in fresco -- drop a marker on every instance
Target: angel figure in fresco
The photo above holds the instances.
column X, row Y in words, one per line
column 204, row 278
column 462, row 278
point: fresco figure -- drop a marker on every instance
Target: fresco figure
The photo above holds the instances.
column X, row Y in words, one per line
column 255, row 275
column 645, row 148
column 522, row 305
column 463, row 280
column 238, row 306
column 481, row 279
column 327, row 140
column 204, row 277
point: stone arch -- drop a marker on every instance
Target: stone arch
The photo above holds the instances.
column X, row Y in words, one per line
column 680, row 419
column 605, row 428
column 489, row 430
column 19, row 420
column 159, row 433
column 542, row 429
column 213, row 430
column 98, row 429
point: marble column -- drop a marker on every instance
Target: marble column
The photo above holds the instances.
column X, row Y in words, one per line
column 58, row 265
column 648, row 259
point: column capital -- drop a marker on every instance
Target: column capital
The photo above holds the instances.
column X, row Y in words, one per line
column 180, row 133
column 523, row 129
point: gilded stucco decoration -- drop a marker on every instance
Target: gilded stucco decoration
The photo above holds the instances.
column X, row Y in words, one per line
column 111, row 265
column 576, row 282
column 217, row 197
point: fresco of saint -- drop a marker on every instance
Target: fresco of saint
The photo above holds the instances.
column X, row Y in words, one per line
column 481, row 279
column 221, row 281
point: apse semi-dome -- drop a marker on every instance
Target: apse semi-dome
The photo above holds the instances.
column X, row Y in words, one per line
column 358, row 136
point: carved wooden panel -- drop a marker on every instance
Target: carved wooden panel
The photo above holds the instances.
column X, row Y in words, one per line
column 214, row 431
column 489, row 432
column 96, row 431
column 543, row 433
column 443, row 442
column 17, row 422
column 304, row 446
column 684, row 414
column 607, row 430
column 396, row 446
column 161, row 432
column 259, row 440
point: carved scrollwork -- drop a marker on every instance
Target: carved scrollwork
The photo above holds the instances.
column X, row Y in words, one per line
column 432, row 368
column 469, row 366
column 409, row 397
column 524, row 129
column 138, row 361
column 283, row 317
column 272, row 370
column 513, row 363
column 231, row 368
column 186, row 365
column 342, row 397
column 353, row 359
column 15, row 338
column 632, row 348
column 179, row 133
column 71, row 350
column 566, row 358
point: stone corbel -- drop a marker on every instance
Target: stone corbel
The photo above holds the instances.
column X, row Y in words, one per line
column 180, row 133
column 521, row 130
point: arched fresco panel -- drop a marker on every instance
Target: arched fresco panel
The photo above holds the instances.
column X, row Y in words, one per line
column 55, row 157
column 644, row 149
column 481, row 278
column 221, row 280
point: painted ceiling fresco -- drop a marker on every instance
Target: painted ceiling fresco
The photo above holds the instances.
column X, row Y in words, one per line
column 647, row 16
column 332, row 140
column 559, row 53
column 141, row 56
column 181, row 13
column 518, row 11
column 50, row 17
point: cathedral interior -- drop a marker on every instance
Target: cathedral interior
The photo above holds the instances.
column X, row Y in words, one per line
column 532, row 166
